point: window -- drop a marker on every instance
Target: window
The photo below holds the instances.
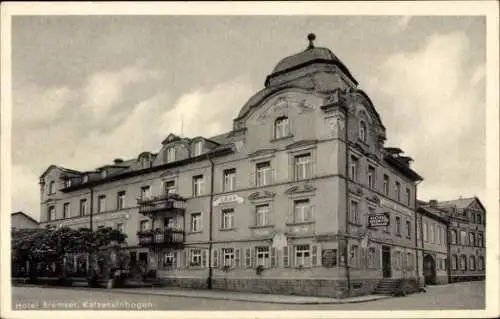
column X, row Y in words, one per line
column 68, row 182
column 439, row 235
column 353, row 168
column 262, row 215
column 453, row 236
column 263, row 256
column 52, row 213
column 386, row 184
column 52, row 188
column 408, row 196
column 263, row 176
column 198, row 185
column 303, row 167
column 302, row 255
column 463, row 262
column 362, row 131
column 302, row 211
column 169, row 259
column 104, row 173
column 463, row 238
column 472, row 239
column 169, row 187
column 228, row 255
column 198, row 148
column 354, row 213
column 101, row 204
column 454, row 262
column 145, row 161
column 480, row 265
column 168, row 223
column 85, row 178
column 170, row 154
column 397, row 260
column 145, row 192
column 144, row 225
column 228, row 219
column 371, row 257
column 120, row 227
column 120, row 200
column 353, row 256
column 196, row 222
column 66, row 211
column 479, row 219
column 398, row 225
column 480, row 239
column 195, row 259
column 472, row 262
column 83, row 207
column 425, row 229
column 408, row 228
column 371, row 177
column 281, row 127
column 229, row 182
column 398, row 191
column 409, row 260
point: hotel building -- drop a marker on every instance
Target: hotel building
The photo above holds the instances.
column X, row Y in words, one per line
column 301, row 196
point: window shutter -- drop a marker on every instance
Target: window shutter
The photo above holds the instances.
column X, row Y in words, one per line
column 291, row 256
column 316, row 255
column 273, row 257
column 215, row 258
column 201, row 222
column 204, row 258
column 254, row 257
column 286, row 257
column 222, row 262
column 186, row 258
column 310, row 214
column 237, row 253
column 248, row 257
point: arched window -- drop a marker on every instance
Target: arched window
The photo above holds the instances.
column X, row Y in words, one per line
column 281, row 127
column 463, row 262
column 52, row 187
column 454, row 262
column 472, row 263
column 453, row 236
column 480, row 265
column 362, row 130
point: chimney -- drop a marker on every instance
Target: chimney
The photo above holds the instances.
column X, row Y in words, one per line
column 433, row 203
column 118, row 161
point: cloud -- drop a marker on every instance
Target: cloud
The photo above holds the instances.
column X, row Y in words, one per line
column 433, row 104
column 76, row 142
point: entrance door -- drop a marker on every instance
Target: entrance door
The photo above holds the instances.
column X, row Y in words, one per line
column 133, row 258
column 143, row 260
column 429, row 270
column 386, row 262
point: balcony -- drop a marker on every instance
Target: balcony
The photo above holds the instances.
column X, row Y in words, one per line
column 165, row 203
column 167, row 237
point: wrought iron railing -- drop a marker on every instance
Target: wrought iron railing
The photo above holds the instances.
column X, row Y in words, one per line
column 163, row 202
column 163, row 237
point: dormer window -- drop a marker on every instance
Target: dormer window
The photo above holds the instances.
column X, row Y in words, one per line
column 197, row 148
column 52, row 188
column 104, row 173
column 85, row 178
column 145, row 161
column 281, row 127
column 362, row 131
column 68, row 182
column 170, row 154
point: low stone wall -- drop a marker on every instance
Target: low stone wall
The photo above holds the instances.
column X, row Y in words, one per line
column 299, row 287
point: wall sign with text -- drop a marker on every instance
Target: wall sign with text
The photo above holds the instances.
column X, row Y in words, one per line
column 379, row 220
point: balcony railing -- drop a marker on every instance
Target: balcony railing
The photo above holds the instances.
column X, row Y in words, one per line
column 161, row 237
column 164, row 202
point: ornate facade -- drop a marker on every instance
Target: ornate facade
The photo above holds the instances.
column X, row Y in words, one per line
column 280, row 204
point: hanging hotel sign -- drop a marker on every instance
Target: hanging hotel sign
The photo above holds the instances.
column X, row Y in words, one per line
column 379, row 220
column 396, row 207
column 233, row 198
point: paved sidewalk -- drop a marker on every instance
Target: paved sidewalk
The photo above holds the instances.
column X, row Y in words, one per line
column 248, row 297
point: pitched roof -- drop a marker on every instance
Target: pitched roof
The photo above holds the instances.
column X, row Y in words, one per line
column 460, row 203
column 25, row 215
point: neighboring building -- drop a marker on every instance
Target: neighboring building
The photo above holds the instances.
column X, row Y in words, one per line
column 280, row 204
column 434, row 240
column 20, row 220
column 467, row 238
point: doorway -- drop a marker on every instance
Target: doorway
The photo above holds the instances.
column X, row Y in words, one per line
column 143, row 260
column 386, row 262
column 429, row 270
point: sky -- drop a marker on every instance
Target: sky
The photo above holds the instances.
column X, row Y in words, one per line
column 89, row 89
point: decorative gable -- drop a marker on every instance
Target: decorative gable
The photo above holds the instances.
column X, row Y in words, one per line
column 171, row 138
column 261, row 195
column 302, row 188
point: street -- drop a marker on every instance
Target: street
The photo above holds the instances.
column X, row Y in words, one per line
column 468, row 295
